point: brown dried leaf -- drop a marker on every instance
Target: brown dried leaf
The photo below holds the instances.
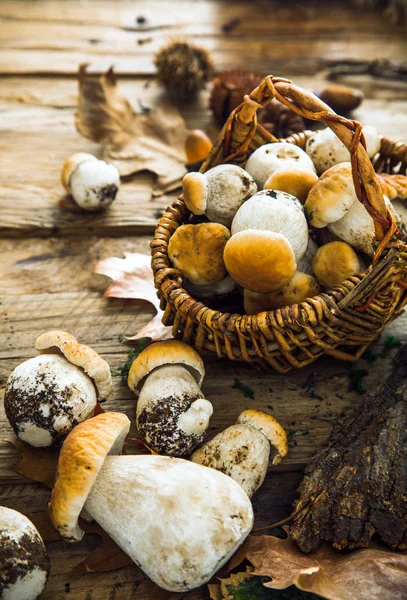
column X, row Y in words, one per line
column 133, row 141
column 371, row 574
column 38, row 464
column 133, row 278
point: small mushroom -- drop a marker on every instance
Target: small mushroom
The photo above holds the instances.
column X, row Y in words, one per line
column 335, row 262
column 218, row 193
column 179, row 521
column 24, row 563
column 294, row 180
column 331, row 197
column 327, row 150
column 278, row 212
column 242, row 451
column 269, row 158
column 46, row 396
column 304, row 265
column 197, row 146
column 300, row 287
column 93, row 183
column 224, row 287
column 172, row 412
column 261, row 261
column 197, row 251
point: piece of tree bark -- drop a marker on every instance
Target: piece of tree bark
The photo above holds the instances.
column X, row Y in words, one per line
column 357, row 486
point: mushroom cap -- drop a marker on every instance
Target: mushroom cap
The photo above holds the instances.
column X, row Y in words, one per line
column 327, row 150
column 275, row 211
column 270, row 427
column 197, row 251
column 332, row 196
column 300, row 287
column 228, row 186
column 393, row 186
column 270, row 157
column 261, row 261
column 169, row 352
column 71, row 164
column 94, row 184
column 179, row 521
column 24, row 563
column 81, row 458
column 172, row 414
column 197, row 146
column 335, row 262
column 46, row 396
column 226, row 286
column 80, row 355
column 294, row 180
column 304, row 265
column 241, row 452
column 194, row 189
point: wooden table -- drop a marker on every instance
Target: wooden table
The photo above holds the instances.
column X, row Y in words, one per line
column 48, row 247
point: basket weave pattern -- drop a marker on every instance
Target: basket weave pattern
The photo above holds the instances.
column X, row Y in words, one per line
column 341, row 322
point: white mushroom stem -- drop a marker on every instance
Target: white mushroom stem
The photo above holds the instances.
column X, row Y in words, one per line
column 180, row 522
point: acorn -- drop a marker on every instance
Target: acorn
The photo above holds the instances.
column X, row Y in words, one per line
column 342, row 99
column 197, row 146
column 183, row 69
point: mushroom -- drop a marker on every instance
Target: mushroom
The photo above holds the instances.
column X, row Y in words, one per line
column 24, row 563
column 46, row 396
column 327, row 150
column 93, row 183
column 197, row 146
column 172, row 412
column 218, row 193
column 197, row 251
column 179, row 521
column 278, row 212
column 294, row 180
column 300, row 287
column 269, row 158
column 261, row 261
column 331, row 197
column 226, row 286
column 335, row 262
column 305, row 263
column 242, row 451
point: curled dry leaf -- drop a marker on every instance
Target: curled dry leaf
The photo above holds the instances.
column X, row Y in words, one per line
column 370, row 574
column 133, row 278
column 152, row 141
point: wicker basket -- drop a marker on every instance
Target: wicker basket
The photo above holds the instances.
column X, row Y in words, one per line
column 341, row 322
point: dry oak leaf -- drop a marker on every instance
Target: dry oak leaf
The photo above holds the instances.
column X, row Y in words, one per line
column 370, row 574
column 133, row 278
column 134, row 142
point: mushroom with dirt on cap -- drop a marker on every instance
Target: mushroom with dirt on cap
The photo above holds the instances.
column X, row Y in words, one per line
column 179, row 521
column 172, row 413
column 24, row 563
column 218, row 193
column 46, row 396
column 243, row 450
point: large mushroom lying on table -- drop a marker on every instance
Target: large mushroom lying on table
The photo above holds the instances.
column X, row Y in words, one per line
column 179, row 521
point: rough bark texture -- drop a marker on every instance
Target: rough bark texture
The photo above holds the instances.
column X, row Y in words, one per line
column 357, row 486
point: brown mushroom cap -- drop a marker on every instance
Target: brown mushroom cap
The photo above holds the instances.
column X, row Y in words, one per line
column 261, row 261
column 270, row 427
column 197, row 251
column 335, row 262
column 197, row 146
column 300, row 287
column 293, row 180
column 81, row 458
column 170, row 352
column 194, row 189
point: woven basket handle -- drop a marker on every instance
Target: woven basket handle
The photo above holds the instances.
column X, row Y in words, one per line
column 242, row 124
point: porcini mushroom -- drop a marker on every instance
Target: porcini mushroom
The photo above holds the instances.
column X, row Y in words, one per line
column 24, row 563
column 270, row 157
column 93, row 183
column 197, row 146
column 294, row 180
column 46, row 396
column 224, row 287
column 261, row 261
column 197, row 251
column 300, row 287
column 278, row 212
column 243, row 450
column 179, row 521
column 218, row 193
column 327, row 150
column 172, row 412
column 335, row 262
